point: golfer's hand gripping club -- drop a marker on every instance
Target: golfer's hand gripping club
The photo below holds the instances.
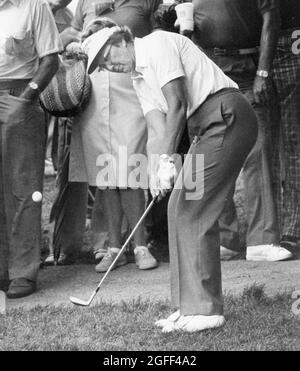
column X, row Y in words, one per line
column 163, row 177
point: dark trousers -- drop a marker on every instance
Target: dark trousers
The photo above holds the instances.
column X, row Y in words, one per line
column 70, row 238
column 225, row 131
column 260, row 206
column 22, row 152
column 286, row 135
column 70, row 221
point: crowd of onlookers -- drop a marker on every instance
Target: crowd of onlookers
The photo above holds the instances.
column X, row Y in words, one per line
column 253, row 42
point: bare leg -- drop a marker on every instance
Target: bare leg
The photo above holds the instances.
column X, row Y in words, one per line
column 133, row 204
column 99, row 223
column 113, row 215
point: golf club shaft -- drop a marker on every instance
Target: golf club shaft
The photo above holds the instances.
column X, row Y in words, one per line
column 123, row 247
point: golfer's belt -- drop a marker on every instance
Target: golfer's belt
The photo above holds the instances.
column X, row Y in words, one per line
column 227, row 52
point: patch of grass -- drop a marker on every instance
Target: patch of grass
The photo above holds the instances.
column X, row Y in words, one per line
column 254, row 322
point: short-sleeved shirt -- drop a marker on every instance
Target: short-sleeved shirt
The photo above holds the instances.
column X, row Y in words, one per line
column 63, row 19
column 162, row 57
column 27, row 33
column 230, row 23
column 290, row 14
column 135, row 14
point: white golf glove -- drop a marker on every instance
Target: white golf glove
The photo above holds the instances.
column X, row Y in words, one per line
column 166, row 172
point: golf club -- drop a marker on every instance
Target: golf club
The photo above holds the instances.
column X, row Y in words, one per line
column 83, row 303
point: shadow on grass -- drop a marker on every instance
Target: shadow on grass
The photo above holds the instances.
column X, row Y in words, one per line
column 254, row 322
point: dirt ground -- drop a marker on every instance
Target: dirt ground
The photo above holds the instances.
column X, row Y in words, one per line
column 57, row 284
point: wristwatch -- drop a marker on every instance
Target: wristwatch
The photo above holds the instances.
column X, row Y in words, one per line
column 262, row 73
column 34, row 86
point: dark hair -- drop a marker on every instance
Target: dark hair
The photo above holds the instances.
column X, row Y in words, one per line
column 124, row 34
column 164, row 19
column 96, row 25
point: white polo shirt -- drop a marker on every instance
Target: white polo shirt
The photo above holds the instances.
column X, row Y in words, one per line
column 63, row 19
column 27, row 33
column 162, row 57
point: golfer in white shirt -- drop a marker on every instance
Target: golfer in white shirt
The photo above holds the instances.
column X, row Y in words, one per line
column 177, row 84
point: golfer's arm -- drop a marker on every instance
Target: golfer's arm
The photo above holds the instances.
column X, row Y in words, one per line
column 269, row 38
column 155, row 120
column 175, row 119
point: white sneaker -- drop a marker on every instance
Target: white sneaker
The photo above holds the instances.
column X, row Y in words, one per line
column 49, row 260
column 143, row 258
column 227, row 254
column 172, row 318
column 109, row 258
column 267, row 253
column 99, row 254
column 195, row 323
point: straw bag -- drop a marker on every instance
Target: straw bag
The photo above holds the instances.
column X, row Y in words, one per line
column 69, row 91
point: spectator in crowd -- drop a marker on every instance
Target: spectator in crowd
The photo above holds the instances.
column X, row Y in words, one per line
column 286, row 136
column 29, row 43
column 231, row 32
column 176, row 82
column 112, row 119
column 63, row 15
column 59, row 136
column 67, row 238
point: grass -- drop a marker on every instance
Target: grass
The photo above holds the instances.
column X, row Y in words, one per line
column 254, row 322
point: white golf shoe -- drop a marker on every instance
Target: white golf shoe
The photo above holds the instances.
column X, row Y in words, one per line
column 194, row 323
column 267, row 253
column 171, row 319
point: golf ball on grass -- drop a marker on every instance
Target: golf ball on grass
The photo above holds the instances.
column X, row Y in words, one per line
column 37, row 197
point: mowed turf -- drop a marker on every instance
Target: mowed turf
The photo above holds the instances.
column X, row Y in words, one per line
column 254, row 322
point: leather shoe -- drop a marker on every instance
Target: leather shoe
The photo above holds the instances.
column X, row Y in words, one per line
column 20, row 287
column 4, row 283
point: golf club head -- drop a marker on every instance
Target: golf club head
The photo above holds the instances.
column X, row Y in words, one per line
column 83, row 303
column 79, row 302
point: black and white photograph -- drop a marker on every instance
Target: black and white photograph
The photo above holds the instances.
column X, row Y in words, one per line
column 149, row 178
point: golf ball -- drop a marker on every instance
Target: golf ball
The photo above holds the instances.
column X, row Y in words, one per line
column 37, row 197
